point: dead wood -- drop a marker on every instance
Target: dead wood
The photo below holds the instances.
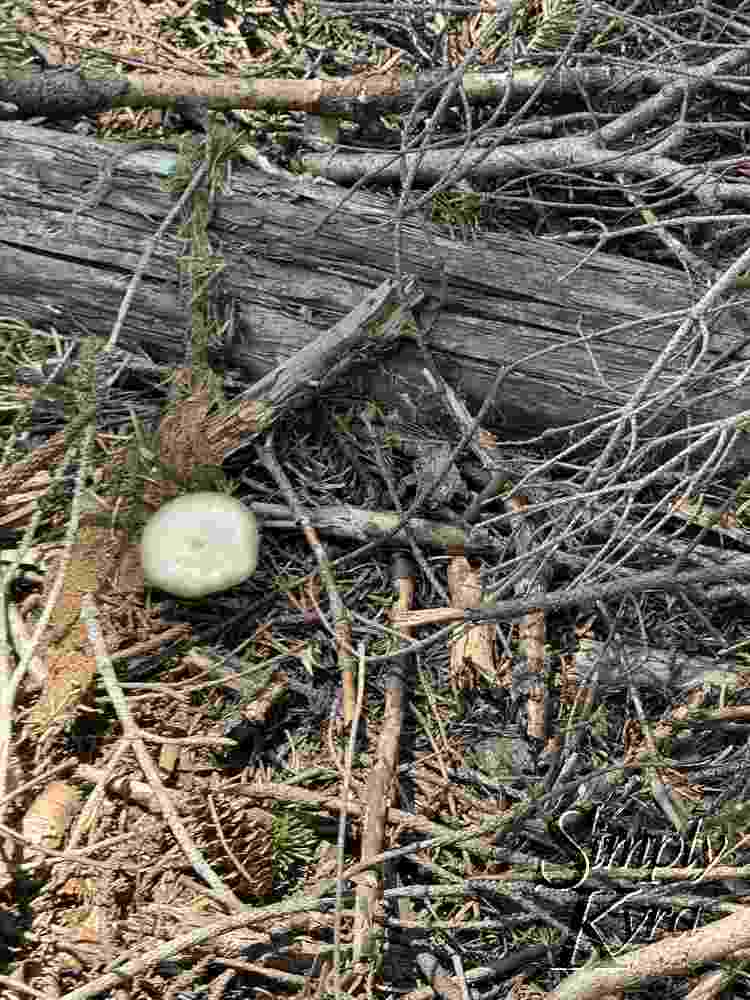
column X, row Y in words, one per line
column 576, row 332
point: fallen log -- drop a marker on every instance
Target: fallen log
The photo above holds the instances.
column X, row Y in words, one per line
column 576, row 331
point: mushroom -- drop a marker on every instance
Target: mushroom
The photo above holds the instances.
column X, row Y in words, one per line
column 199, row 544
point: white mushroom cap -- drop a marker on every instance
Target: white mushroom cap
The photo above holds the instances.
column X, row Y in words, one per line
column 199, row 544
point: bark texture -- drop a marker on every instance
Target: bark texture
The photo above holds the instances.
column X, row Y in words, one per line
column 293, row 271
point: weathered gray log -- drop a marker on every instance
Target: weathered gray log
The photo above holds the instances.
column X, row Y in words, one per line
column 507, row 298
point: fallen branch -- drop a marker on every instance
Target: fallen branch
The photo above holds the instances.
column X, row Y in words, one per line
column 557, row 599
column 674, row 956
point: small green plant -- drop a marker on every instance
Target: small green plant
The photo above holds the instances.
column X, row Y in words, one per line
column 731, row 820
column 456, row 208
column 295, row 841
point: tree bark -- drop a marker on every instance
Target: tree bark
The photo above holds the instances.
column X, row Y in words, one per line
column 294, row 267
